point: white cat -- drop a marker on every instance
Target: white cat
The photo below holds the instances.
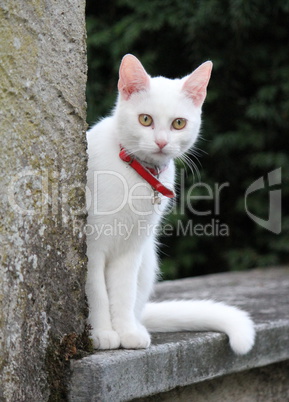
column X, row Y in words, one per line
column 155, row 120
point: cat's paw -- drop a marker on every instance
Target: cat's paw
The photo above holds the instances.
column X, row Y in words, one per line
column 105, row 339
column 135, row 339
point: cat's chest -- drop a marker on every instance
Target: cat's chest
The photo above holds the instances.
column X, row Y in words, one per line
column 124, row 194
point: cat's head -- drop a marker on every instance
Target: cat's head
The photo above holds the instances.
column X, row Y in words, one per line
column 158, row 118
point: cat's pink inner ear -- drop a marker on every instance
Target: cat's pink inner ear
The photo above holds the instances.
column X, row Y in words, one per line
column 196, row 84
column 132, row 76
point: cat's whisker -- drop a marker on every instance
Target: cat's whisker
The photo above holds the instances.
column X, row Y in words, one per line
column 197, row 152
column 188, row 162
column 185, row 164
column 180, row 159
column 196, row 156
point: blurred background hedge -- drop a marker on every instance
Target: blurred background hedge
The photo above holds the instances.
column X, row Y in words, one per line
column 245, row 132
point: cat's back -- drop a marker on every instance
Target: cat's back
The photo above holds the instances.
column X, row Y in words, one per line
column 99, row 133
column 101, row 144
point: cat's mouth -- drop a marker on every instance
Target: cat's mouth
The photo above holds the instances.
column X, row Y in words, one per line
column 154, row 159
column 159, row 152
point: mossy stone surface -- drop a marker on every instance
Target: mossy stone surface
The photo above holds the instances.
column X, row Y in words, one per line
column 43, row 175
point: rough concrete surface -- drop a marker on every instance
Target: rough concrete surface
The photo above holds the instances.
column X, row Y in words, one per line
column 181, row 359
column 262, row 384
column 43, row 168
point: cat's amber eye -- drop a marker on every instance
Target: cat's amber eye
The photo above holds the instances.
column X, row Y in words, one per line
column 145, row 119
column 179, row 123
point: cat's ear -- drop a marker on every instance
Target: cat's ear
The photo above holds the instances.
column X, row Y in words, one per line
column 132, row 76
column 195, row 85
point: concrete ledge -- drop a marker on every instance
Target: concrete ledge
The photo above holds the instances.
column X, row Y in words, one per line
column 181, row 359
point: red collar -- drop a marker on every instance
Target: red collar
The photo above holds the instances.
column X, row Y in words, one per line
column 147, row 173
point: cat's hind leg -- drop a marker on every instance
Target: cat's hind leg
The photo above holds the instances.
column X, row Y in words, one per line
column 102, row 333
column 147, row 275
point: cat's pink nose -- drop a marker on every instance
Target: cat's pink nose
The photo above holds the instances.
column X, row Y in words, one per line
column 161, row 143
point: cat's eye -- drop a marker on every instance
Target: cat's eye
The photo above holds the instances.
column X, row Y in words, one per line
column 145, row 119
column 179, row 123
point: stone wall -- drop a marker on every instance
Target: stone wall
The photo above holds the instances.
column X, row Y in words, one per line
column 43, row 167
column 269, row 383
column 200, row 366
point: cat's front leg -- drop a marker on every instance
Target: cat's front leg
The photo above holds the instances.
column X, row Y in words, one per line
column 102, row 333
column 122, row 275
column 137, row 338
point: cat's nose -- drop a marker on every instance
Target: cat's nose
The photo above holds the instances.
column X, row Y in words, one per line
column 161, row 143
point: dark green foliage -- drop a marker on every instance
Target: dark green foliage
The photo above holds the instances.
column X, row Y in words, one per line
column 245, row 134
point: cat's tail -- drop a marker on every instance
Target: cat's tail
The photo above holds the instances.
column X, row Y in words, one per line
column 203, row 315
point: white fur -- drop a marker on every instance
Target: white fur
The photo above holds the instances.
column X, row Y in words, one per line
column 122, row 259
